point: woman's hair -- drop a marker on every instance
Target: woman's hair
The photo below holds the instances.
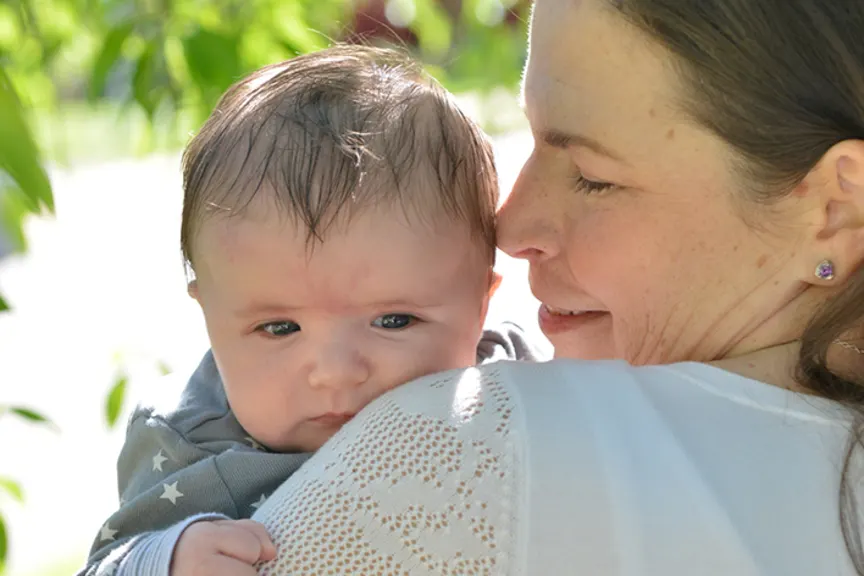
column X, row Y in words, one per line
column 781, row 81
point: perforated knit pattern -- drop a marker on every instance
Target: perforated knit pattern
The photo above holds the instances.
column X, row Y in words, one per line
column 422, row 483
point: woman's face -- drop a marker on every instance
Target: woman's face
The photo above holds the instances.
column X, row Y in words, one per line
column 630, row 214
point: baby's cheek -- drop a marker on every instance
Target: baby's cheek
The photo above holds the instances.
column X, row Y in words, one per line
column 257, row 403
column 458, row 350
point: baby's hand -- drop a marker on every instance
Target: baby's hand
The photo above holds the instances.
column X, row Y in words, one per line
column 222, row 547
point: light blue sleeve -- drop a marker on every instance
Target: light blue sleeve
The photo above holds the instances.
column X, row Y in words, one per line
column 152, row 552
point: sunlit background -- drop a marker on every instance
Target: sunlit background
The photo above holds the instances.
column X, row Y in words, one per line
column 97, row 98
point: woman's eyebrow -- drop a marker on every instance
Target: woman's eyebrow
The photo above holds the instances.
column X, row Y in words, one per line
column 562, row 140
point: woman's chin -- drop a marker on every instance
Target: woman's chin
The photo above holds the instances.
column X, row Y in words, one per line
column 581, row 353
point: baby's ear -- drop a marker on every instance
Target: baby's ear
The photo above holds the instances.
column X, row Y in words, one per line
column 192, row 289
column 494, row 282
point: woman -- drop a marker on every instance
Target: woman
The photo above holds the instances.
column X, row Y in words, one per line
column 694, row 206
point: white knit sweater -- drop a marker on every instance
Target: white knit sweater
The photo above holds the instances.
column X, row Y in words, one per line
column 567, row 467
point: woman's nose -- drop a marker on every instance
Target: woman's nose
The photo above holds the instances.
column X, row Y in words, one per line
column 526, row 223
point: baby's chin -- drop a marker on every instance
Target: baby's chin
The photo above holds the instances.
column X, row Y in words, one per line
column 303, row 438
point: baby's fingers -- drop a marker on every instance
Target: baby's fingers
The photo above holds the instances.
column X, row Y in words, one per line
column 245, row 540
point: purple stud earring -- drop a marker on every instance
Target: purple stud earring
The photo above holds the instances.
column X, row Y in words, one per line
column 825, row 270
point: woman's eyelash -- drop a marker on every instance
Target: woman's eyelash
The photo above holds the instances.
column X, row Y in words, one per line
column 585, row 186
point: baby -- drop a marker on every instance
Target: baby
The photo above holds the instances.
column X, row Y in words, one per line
column 339, row 231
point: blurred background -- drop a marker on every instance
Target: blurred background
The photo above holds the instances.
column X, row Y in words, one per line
column 97, row 99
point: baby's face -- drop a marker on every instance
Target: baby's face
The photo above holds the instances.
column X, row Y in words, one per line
column 306, row 337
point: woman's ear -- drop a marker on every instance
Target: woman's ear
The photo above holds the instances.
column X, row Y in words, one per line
column 836, row 186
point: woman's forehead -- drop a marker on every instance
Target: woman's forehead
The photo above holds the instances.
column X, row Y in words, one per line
column 590, row 73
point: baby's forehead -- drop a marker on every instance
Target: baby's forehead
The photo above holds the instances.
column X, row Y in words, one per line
column 377, row 257
column 421, row 224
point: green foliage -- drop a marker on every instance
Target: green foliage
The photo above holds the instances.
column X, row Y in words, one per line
column 165, row 56
column 114, row 401
column 9, row 486
column 13, row 489
column 24, row 188
column 24, row 185
column 4, row 539
column 28, row 414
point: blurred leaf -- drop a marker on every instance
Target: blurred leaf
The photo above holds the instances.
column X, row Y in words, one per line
column 433, row 27
column 292, row 24
column 19, row 157
column 10, row 32
column 111, row 49
column 12, row 488
column 3, row 544
column 114, row 402
column 143, row 81
column 3, row 305
column 213, row 62
column 50, row 50
column 164, row 369
column 30, row 415
column 13, row 209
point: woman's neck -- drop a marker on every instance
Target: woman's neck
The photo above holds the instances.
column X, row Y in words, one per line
column 775, row 365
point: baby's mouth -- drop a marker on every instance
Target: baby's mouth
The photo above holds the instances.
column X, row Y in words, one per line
column 333, row 419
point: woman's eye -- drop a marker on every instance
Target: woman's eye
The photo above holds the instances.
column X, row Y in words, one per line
column 279, row 329
column 585, row 186
column 394, row 321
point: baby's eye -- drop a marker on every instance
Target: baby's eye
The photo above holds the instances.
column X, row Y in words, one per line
column 279, row 329
column 394, row 321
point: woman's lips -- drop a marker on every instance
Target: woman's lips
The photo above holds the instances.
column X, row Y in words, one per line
column 554, row 320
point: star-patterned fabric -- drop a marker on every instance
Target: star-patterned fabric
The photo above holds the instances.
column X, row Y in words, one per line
column 186, row 456
column 178, row 463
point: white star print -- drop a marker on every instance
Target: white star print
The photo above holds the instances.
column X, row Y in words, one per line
column 122, row 502
column 253, row 443
column 108, row 569
column 260, row 501
column 171, row 493
column 106, row 533
column 158, row 459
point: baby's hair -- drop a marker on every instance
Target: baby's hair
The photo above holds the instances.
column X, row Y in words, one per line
column 333, row 132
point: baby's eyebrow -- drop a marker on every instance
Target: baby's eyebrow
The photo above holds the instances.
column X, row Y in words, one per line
column 393, row 305
column 265, row 309
column 397, row 303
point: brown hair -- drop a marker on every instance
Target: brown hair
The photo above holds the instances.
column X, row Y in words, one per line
column 336, row 131
column 781, row 81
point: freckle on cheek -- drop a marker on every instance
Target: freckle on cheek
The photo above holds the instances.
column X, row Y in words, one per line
column 670, row 135
column 652, row 113
column 762, row 260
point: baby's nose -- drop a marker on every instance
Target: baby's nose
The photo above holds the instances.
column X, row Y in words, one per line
column 339, row 366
